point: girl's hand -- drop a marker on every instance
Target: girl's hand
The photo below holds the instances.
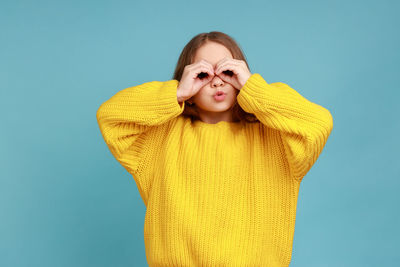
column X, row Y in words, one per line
column 194, row 77
column 233, row 71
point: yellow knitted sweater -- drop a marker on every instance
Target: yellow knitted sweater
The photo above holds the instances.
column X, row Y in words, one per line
column 222, row 194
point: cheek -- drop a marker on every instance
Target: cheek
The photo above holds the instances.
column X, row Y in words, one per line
column 203, row 90
column 201, row 94
column 234, row 98
column 206, row 86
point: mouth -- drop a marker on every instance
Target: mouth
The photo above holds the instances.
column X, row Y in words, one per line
column 219, row 92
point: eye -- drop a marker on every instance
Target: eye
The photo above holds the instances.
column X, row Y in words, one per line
column 228, row 72
column 202, row 75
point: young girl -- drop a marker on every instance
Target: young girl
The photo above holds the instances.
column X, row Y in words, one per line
column 217, row 154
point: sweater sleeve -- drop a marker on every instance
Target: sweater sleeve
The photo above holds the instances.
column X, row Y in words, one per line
column 304, row 126
column 130, row 119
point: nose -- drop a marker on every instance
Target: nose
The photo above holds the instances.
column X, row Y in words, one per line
column 216, row 81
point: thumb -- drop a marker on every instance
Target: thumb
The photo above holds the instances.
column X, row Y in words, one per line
column 225, row 77
column 207, row 80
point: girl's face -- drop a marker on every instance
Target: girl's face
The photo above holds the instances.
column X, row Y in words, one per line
column 204, row 100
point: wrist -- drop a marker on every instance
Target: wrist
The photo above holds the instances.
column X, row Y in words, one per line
column 180, row 97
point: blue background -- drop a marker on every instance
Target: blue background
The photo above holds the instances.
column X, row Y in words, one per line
column 65, row 201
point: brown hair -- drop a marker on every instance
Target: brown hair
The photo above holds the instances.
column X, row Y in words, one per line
column 186, row 57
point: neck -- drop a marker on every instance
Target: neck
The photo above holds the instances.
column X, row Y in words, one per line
column 214, row 117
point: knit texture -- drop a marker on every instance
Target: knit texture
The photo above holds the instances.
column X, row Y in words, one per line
column 222, row 194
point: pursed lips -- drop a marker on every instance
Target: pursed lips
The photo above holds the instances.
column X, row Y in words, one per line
column 219, row 92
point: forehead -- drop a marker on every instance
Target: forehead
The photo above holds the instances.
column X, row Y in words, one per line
column 212, row 52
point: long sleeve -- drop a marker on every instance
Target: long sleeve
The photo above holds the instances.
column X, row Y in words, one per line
column 130, row 119
column 304, row 126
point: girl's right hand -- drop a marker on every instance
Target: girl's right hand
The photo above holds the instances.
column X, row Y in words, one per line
column 194, row 77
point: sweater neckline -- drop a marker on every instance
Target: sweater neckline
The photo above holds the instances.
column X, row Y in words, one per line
column 220, row 124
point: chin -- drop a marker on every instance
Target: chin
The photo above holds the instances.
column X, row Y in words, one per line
column 219, row 108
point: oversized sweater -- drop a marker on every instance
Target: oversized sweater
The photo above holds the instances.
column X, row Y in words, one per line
column 222, row 194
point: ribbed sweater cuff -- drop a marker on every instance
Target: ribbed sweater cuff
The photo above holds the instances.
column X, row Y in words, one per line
column 257, row 96
column 167, row 98
column 254, row 88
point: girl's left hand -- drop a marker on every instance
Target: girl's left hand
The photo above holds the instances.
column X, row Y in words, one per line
column 233, row 71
